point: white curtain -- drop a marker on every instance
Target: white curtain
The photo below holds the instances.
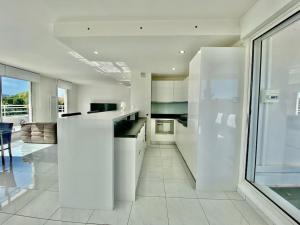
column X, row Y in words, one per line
column 21, row 74
column 2, row 69
column 64, row 84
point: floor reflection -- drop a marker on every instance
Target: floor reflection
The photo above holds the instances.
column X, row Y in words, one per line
column 25, row 174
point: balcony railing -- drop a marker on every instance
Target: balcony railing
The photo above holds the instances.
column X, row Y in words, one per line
column 22, row 110
column 15, row 110
column 61, row 108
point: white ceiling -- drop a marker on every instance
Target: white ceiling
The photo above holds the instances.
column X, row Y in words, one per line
column 149, row 9
column 27, row 40
column 156, row 54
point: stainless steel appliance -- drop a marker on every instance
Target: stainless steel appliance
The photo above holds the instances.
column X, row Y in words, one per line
column 164, row 126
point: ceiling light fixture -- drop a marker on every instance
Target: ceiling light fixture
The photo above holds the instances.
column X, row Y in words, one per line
column 173, row 68
column 96, row 53
column 181, row 51
column 107, row 68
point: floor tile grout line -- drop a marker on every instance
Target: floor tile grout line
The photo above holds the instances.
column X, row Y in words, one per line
column 35, row 197
column 129, row 213
column 8, row 213
column 52, row 214
column 239, row 211
column 11, row 215
column 166, row 200
column 90, row 216
column 166, row 197
column 65, row 221
column 33, row 216
column 180, row 197
column 41, row 218
column 87, row 222
column 199, row 202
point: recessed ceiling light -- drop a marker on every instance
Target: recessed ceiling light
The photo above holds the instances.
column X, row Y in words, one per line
column 173, row 68
column 181, row 51
column 96, row 53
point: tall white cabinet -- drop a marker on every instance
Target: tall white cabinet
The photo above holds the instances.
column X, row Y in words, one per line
column 210, row 143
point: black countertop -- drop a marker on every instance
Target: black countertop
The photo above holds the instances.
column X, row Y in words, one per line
column 129, row 128
column 165, row 116
column 183, row 122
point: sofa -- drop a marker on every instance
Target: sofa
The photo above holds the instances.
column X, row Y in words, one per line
column 40, row 133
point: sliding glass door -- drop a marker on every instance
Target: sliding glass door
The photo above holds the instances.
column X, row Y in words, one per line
column 273, row 162
column 15, row 101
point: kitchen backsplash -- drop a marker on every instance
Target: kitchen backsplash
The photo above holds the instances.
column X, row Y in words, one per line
column 169, row 108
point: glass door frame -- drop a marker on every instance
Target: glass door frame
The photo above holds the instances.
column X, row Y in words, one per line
column 254, row 108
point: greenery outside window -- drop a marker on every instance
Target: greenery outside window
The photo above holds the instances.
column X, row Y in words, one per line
column 15, row 101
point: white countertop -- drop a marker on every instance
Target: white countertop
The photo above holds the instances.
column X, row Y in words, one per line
column 108, row 115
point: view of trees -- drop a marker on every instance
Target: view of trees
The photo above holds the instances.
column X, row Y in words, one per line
column 18, row 99
column 61, row 100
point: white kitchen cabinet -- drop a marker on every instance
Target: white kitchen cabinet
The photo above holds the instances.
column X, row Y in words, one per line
column 129, row 154
column 185, row 145
column 180, row 91
column 162, row 91
column 169, row 91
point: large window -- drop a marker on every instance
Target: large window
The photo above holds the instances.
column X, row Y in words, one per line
column 62, row 101
column 15, row 104
column 273, row 160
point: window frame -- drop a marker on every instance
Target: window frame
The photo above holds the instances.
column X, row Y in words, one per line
column 30, row 111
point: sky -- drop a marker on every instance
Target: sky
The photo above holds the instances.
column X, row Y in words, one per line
column 11, row 86
column 60, row 92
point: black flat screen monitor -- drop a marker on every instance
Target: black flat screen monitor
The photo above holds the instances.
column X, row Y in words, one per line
column 102, row 107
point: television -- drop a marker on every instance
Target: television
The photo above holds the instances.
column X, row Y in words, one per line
column 102, row 107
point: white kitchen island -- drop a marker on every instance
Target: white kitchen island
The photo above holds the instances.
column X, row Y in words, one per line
column 86, row 159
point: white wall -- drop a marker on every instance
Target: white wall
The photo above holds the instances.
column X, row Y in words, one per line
column 140, row 97
column 264, row 11
column 101, row 92
column 73, row 99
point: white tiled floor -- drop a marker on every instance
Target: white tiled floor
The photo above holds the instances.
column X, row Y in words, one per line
column 165, row 196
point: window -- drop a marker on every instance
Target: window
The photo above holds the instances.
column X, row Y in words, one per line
column 273, row 159
column 62, row 101
column 298, row 104
column 16, row 101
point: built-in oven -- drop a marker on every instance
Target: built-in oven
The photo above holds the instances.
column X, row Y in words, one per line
column 164, row 126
